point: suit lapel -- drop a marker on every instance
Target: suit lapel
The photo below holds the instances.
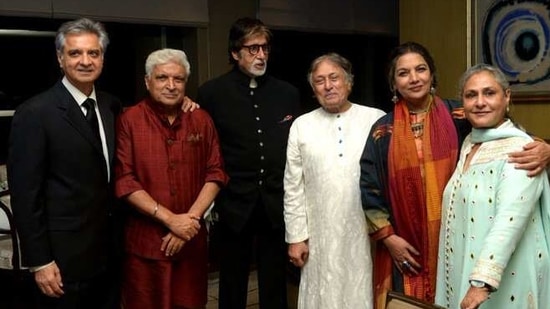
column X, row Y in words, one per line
column 74, row 116
column 108, row 120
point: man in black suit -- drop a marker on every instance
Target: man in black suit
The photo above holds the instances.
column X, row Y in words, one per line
column 253, row 113
column 59, row 169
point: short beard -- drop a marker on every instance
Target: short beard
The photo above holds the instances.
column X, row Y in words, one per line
column 252, row 70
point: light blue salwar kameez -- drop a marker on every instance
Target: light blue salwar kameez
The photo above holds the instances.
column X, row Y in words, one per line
column 495, row 226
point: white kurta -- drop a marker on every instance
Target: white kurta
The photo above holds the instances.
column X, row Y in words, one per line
column 323, row 206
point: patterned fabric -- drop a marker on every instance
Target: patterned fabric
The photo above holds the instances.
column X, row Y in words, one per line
column 149, row 284
column 171, row 162
column 323, row 206
column 415, row 200
column 495, row 226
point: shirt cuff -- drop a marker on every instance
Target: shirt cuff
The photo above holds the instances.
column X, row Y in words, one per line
column 37, row 268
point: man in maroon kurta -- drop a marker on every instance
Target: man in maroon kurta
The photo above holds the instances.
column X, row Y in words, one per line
column 169, row 169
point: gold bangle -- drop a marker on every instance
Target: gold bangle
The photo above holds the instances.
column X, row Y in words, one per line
column 156, row 209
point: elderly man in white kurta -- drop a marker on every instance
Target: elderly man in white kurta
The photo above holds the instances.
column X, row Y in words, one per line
column 325, row 225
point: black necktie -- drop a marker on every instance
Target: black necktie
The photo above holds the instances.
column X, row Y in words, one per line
column 91, row 116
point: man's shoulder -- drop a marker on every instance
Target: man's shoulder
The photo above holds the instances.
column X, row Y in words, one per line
column 133, row 109
column 232, row 76
column 369, row 110
column 107, row 96
column 216, row 81
column 115, row 105
column 281, row 84
column 41, row 100
column 198, row 115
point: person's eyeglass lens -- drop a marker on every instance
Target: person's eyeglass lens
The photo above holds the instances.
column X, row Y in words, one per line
column 255, row 48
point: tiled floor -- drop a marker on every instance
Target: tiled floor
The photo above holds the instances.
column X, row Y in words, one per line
column 252, row 299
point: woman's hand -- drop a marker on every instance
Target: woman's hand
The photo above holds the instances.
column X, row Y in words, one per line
column 474, row 297
column 402, row 253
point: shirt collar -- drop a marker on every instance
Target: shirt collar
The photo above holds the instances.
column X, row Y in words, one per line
column 156, row 110
column 78, row 96
column 244, row 79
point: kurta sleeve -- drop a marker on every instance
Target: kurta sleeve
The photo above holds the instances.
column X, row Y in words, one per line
column 372, row 182
column 517, row 197
column 214, row 164
column 126, row 180
column 295, row 213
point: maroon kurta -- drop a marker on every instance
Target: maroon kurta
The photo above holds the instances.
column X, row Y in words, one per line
column 171, row 163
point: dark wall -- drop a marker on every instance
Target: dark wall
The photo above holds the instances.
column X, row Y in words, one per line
column 29, row 64
column 293, row 52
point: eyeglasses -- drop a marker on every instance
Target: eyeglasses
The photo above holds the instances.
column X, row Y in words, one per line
column 255, row 48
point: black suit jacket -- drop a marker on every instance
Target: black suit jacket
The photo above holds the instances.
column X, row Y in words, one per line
column 60, row 194
column 253, row 126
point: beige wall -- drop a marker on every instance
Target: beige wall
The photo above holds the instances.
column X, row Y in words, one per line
column 534, row 117
column 442, row 26
column 222, row 13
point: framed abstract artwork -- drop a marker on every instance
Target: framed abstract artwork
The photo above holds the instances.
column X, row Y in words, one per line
column 514, row 35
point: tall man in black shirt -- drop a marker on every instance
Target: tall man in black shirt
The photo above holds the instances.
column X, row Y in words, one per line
column 252, row 112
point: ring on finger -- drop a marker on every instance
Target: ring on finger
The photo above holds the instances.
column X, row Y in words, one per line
column 406, row 264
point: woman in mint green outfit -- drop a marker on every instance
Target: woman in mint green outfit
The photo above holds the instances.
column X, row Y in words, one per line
column 493, row 246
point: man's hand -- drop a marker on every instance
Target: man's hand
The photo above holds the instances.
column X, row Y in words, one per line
column 171, row 244
column 49, row 281
column 298, row 253
column 184, row 226
column 189, row 105
column 534, row 158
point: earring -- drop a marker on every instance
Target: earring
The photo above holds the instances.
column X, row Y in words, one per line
column 394, row 99
column 432, row 90
column 507, row 108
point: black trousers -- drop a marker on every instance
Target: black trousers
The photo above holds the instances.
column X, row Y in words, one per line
column 100, row 292
column 258, row 238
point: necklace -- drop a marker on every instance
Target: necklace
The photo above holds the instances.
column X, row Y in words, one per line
column 417, row 124
column 417, row 119
column 420, row 111
column 418, row 129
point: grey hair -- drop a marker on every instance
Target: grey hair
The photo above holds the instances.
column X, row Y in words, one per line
column 81, row 26
column 335, row 58
column 500, row 78
column 166, row 55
